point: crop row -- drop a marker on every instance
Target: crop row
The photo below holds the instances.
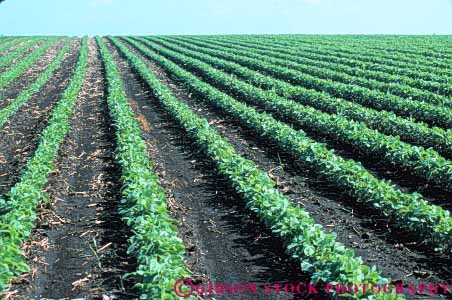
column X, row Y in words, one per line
column 367, row 55
column 409, row 49
column 43, row 78
column 6, row 39
column 432, row 114
column 318, row 252
column 403, row 86
column 18, row 208
column 159, row 252
column 408, row 211
column 8, row 58
column 15, row 71
column 426, row 164
column 410, row 44
column 10, row 44
column 386, row 122
column 310, row 63
column 384, row 72
column 440, row 64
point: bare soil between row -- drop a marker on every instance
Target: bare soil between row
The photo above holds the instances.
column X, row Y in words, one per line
column 79, row 247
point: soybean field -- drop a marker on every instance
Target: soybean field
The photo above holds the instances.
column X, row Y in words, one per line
column 130, row 162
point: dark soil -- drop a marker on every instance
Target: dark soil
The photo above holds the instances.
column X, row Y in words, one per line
column 85, row 240
column 79, row 247
column 20, row 135
column 368, row 233
column 8, row 94
column 402, row 179
column 11, row 48
column 24, row 54
column 224, row 241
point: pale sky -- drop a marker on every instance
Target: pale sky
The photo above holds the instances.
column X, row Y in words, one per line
column 69, row 17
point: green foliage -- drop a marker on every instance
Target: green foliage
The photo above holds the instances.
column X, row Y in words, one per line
column 424, row 163
column 11, row 74
column 317, row 251
column 399, row 78
column 11, row 42
column 414, row 65
column 317, row 66
column 18, row 210
column 43, row 78
column 407, row 211
column 7, row 59
column 159, row 252
column 383, row 121
column 299, row 75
